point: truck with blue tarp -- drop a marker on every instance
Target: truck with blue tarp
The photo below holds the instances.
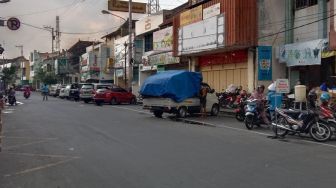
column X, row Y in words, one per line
column 176, row 92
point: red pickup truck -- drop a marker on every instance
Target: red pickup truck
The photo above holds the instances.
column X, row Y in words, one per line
column 114, row 95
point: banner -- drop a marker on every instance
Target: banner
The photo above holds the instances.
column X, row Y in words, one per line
column 265, row 63
column 302, row 54
column 163, row 39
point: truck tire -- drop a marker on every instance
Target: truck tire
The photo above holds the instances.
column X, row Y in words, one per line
column 182, row 112
column 215, row 110
column 158, row 113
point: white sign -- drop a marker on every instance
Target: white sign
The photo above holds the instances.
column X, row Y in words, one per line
column 202, row 36
column 163, row 39
column 282, row 86
column 212, row 11
column 148, row 24
column 302, row 54
column 163, row 58
column 119, row 52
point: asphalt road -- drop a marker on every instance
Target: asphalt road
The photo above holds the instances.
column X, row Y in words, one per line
column 61, row 143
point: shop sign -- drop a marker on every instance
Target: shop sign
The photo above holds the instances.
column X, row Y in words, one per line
column 202, row 36
column 61, row 66
column 265, row 63
column 85, row 68
column 119, row 72
column 302, row 54
column 148, row 68
column 163, row 39
column 212, row 11
column 148, row 24
column 163, row 59
column 122, row 6
column 191, row 16
column 282, row 86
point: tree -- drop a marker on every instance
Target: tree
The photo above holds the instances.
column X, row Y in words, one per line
column 9, row 75
column 46, row 78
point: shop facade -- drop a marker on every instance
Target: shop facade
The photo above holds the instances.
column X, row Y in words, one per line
column 219, row 42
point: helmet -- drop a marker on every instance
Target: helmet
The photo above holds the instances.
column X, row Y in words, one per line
column 261, row 87
column 271, row 87
column 325, row 97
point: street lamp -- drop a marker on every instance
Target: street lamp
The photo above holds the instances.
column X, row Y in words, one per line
column 129, row 45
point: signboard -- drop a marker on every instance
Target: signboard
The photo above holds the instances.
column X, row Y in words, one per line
column 202, row 36
column 122, row 6
column 13, row 24
column 209, row 12
column 119, row 52
column 191, row 16
column 282, row 86
column 302, row 54
column 265, row 63
column 163, row 59
column 119, row 72
column 148, row 24
column 61, row 66
column 163, row 39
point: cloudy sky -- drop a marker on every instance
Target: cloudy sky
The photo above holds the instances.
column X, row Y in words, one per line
column 76, row 16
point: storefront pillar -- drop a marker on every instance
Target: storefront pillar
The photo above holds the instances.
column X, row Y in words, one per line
column 251, row 70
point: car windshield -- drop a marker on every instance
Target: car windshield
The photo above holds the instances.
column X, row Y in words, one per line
column 87, row 86
column 103, row 86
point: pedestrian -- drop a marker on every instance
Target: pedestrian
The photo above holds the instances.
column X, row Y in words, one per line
column 203, row 96
column 45, row 92
column 2, row 106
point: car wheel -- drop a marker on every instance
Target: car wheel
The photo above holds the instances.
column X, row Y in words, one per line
column 99, row 103
column 86, row 101
column 113, row 101
column 133, row 101
column 158, row 114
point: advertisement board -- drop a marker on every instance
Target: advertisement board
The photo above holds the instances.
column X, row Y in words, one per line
column 191, row 16
column 264, row 62
column 304, row 53
column 201, row 36
column 211, row 11
column 163, row 59
column 119, row 52
column 282, row 86
column 163, row 39
column 122, row 6
column 148, row 24
column 61, row 66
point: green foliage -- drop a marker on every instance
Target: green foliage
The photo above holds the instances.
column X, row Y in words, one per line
column 9, row 74
column 46, row 78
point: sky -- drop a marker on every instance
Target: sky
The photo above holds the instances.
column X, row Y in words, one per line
column 76, row 16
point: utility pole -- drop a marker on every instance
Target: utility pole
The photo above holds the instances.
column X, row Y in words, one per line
column 21, row 63
column 58, row 36
column 52, row 37
column 125, row 67
column 130, row 45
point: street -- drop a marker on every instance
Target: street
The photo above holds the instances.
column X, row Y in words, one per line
column 60, row 143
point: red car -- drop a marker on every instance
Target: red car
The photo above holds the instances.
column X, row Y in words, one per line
column 114, row 95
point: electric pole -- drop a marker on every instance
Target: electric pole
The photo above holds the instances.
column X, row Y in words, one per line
column 58, row 35
column 130, row 45
column 22, row 62
column 52, row 36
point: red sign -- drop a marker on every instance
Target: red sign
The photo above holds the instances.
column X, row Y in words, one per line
column 239, row 56
column 13, row 24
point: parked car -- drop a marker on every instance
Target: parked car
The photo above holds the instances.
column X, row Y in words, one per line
column 114, row 95
column 52, row 90
column 62, row 92
column 67, row 91
column 88, row 90
column 75, row 91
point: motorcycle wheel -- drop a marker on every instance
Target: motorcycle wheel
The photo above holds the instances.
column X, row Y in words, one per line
column 279, row 131
column 240, row 117
column 249, row 122
column 321, row 133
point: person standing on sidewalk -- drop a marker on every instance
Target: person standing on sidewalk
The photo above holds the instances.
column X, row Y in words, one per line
column 45, row 92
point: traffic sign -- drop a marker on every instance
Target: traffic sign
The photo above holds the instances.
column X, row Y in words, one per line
column 13, row 23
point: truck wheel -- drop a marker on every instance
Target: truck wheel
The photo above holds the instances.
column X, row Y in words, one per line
column 158, row 114
column 86, row 101
column 182, row 112
column 215, row 110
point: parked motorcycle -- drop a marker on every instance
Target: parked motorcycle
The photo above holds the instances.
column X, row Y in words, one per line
column 253, row 115
column 307, row 122
column 240, row 111
column 227, row 99
column 26, row 94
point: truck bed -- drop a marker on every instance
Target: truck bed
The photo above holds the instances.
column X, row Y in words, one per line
column 167, row 102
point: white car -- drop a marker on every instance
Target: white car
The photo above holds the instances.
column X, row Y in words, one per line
column 67, row 91
column 62, row 93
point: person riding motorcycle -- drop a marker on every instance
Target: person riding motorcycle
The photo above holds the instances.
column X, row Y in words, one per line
column 11, row 93
column 26, row 91
column 258, row 94
column 325, row 98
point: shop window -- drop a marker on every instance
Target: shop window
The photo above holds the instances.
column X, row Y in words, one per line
column 300, row 4
column 149, row 42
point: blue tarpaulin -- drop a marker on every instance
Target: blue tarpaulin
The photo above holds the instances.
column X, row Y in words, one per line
column 177, row 85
